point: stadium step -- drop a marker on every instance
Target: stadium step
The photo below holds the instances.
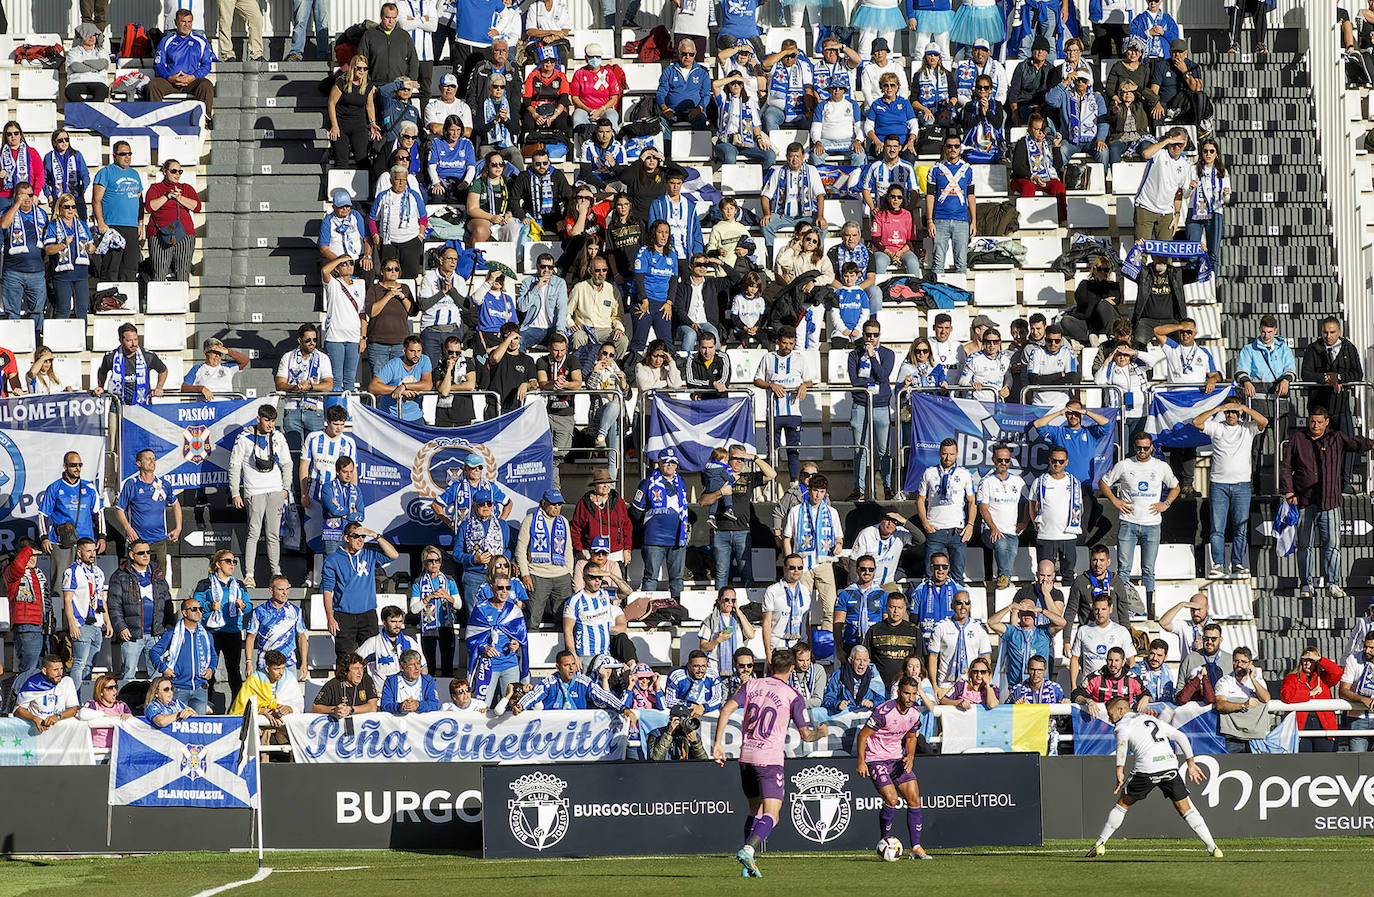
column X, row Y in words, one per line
column 282, row 153
column 1226, row 78
column 1262, row 255
column 1248, row 216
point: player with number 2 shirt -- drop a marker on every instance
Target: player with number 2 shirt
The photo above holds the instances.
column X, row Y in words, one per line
column 769, row 703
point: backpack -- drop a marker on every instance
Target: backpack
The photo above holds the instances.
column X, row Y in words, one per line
column 35, row 55
column 654, row 48
column 998, row 220
column 1076, row 176
column 135, row 44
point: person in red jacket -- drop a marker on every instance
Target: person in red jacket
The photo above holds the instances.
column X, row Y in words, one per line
column 1313, row 680
column 26, row 586
column 602, row 512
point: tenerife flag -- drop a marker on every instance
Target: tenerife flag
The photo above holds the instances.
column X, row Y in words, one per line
column 693, row 428
column 180, row 118
column 1172, row 411
column 1286, row 528
column 68, row 743
column 841, row 181
column 192, row 440
column 698, row 187
column 204, row 761
column 1004, row 729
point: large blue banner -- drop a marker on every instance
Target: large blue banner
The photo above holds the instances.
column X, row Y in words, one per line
column 978, row 427
column 35, row 432
column 192, row 440
column 204, row 761
column 404, row 467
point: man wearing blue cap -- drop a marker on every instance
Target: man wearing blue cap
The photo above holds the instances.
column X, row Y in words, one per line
column 456, row 502
column 544, row 557
column 344, row 232
column 661, row 503
column 837, row 126
column 480, row 537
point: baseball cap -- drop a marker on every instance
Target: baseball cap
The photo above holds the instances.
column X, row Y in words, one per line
column 593, row 50
column 341, row 199
column 482, row 496
column 838, row 82
column 601, row 544
column 449, row 80
column 473, row 460
column 982, row 321
column 1177, row 45
column 933, row 47
column 982, row 44
column 213, row 344
column 746, row 244
column 665, row 456
column 552, row 496
column 880, row 44
column 1081, row 75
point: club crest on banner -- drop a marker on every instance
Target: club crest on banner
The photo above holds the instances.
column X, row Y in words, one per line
column 439, row 463
column 539, row 811
column 821, row 808
column 196, row 444
column 11, row 474
column 193, row 761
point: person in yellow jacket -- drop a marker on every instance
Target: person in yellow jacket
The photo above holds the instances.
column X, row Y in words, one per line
column 276, row 695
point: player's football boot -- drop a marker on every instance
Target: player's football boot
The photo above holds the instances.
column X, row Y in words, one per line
column 1096, row 850
column 746, row 859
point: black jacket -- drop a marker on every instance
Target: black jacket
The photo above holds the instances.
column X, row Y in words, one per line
column 715, row 295
column 523, row 193
column 126, row 601
column 1029, row 85
column 1020, row 159
column 391, row 56
column 1178, row 308
column 1316, row 364
column 695, row 374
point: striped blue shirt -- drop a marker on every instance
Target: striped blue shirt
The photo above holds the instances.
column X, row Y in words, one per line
column 593, row 615
column 322, row 453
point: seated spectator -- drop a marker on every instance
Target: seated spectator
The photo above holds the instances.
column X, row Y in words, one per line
column 171, row 230
column 542, row 191
column 851, row 249
column 891, row 117
column 69, row 240
column 851, row 309
column 837, row 127
column 397, row 223
column 498, row 121
column 105, row 703
column 580, row 232
column 23, row 286
column 506, row 370
column 1082, row 118
column 460, row 697
column 894, row 234
column 87, row 62
column 397, row 115
column 445, row 106
column 49, row 696
column 596, row 91
column 548, row 26
column 277, row 694
column 1314, row 679
column 42, row 379
column 183, row 63
column 215, row 374
column 542, row 304
column 603, row 156
column 65, row 171
column 565, row 689
column 1241, row 703
column 1033, row 166
column 401, row 379
column 411, row 690
column 546, row 107
column 1128, row 124
column 1156, row 28
column 493, row 209
column 792, row 96
column 344, row 232
column 350, row 692
column 1030, row 82
column 974, row 690
column 1036, row 688
column 1096, row 304
column 1177, row 81
column 161, row 707
column 1113, row 680
column 983, row 122
column 739, row 127
column 933, row 90
column 1136, row 69
column 452, row 164
column 803, row 255
column 352, row 115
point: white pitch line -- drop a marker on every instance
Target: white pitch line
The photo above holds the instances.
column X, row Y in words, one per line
column 956, row 852
column 324, row 869
column 262, row 874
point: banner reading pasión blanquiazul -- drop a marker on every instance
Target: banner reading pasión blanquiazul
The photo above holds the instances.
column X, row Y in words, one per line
column 404, row 467
column 543, row 736
column 35, row 432
column 192, row 440
column 978, row 427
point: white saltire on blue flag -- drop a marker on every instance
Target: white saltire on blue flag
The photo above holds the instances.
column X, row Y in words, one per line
column 693, row 428
column 204, row 761
column 180, row 118
column 1172, row 411
column 1286, row 529
column 192, row 440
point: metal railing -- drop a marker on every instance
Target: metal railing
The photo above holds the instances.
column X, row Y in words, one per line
column 491, row 401
column 617, row 451
column 863, row 442
column 642, row 409
column 1118, row 446
column 1285, row 405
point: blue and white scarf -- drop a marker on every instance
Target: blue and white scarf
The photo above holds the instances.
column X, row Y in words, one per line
column 1083, row 117
column 788, row 82
column 485, row 535
column 932, row 88
column 498, row 134
column 487, row 622
column 15, row 166
column 115, row 381
column 1207, row 198
column 349, row 234
column 19, row 233
column 858, row 255
column 794, row 183
column 1038, row 156
column 1075, row 502
column 1174, row 249
column 227, row 594
column 202, row 647
column 548, row 539
column 63, row 174
column 72, row 255
column 436, row 614
column 814, row 529
column 657, row 492
column 736, row 116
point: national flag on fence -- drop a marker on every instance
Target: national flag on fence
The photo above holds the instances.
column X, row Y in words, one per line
column 179, row 118
column 1094, row 735
column 1004, row 729
column 1282, row 739
column 1172, row 411
column 693, row 427
column 192, row 440
column 66, row 744
column 204, row 761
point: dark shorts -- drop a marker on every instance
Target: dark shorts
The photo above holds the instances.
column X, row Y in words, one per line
column 889, row 772
column 1170, row 784
column 761, row 782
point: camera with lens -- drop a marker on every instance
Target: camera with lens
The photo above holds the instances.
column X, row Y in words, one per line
column 683, row 714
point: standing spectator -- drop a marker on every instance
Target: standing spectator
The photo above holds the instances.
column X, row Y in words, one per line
column 141, row 509
column 260, row 478
column 1315, row 678
column 349, row 586
column 214, row 373
column 787, row 377
column 401, row 379
column 590, row 619
column 1092, row 643
column 870, row 370
column 302, row 13
column 87, row 64
column 508, row 372
column 1310, row 478
column 1187, row 627
column 302, row 371
column 951, row 209
column 661, row 504
column 23, row 286
column 947, row 508
column 1329, row 363
column 276, row 626
column 1258, row 11
column 420, row 20
column 390, row 306
column 681, row 215
column 730, row 539
column 894, row 234
column 894, row 639
column 988, row 371
column 184, row 58
column 70, row 509
column 434, row 597
column 185, row 653
column 792, row 193
column 1098, row 581
column 497, row 641
column 84, row 608
column 383, row 650
column 139, row 602
column 1156, row 28
column 602, row 514
column 555, row 372
column 479, row 539
column 1056, row 499
column 455, row 375
column 227, row 609
column 1000, row 495
column 786, row 606
column 1159, row 200
column 171, row 230
column 398, row 222
column 1267, row 361
column 544, row 558
column 389, row 49
column 65, row 171
column 1146, row 487
column 955, row 644
column 858, row 607
column 814, row 531
column 27, row 589
column 117, row 198
column 352, row 113
column 1229, row 493
column 1208, row 192
column 345, row 332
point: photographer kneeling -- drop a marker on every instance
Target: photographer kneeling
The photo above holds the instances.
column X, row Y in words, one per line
column 680, row 739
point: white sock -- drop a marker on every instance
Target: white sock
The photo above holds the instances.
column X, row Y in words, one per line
column 1114, row 820
column 1199, row 827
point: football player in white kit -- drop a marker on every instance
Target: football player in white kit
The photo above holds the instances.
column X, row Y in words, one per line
column 1152, row 741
